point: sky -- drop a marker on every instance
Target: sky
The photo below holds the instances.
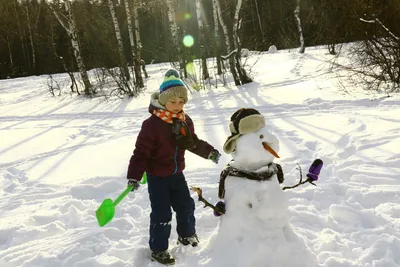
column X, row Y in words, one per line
column 60, row 157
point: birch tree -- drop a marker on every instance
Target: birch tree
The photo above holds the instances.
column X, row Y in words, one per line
column 259, row 21
column 32, row 15
column 123, row 64
column 21, row 33
column 227, row 44
column 6, row 34
column 134, row 45
column 217, row 45
column 202, row 40
column 174, row 32
column 69, row 25
column 135, row 56
column 244, row 78
column 10, row 54
column 298, row 24
column 138, row 39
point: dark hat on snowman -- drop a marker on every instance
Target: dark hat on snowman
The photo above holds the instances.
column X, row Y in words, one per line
column 243, row 121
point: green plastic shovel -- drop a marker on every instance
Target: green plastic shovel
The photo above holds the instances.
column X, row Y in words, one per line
column 105, row 213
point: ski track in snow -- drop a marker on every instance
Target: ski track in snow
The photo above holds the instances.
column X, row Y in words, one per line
column 352, row 218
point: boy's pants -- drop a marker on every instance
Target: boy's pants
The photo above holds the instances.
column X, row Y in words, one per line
column 166, row 192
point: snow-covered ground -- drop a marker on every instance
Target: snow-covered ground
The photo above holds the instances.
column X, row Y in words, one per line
column 60, row 157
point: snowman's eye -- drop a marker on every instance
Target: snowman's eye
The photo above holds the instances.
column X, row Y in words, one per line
column 261, row 136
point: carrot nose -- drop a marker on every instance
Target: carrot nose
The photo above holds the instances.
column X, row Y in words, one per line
column 270, row 150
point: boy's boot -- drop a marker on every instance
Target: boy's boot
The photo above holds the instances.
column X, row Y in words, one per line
column 163, row 257
column 191, row 240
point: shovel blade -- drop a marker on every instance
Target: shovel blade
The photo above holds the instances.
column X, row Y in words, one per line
column 105, row 213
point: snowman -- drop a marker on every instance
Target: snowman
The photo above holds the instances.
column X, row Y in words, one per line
column 255, row 230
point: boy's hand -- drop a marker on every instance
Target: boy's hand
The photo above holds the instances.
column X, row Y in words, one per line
column 134, row 183
column 214, row 156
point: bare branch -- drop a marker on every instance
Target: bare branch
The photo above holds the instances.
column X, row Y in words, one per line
column 206, row 203
column 383, row 26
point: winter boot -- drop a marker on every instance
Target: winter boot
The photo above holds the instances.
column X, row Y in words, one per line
column 163, row 257
column 191, row 240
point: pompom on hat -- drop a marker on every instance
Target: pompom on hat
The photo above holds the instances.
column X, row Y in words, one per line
column 172, row 72
column 243, row 121
column 171, row 87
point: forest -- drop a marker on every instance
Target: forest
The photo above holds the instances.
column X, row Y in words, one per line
column 44, row 37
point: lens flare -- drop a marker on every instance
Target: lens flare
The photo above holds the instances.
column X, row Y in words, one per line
column 190, row 68
column 188, row 16
column 188, row 41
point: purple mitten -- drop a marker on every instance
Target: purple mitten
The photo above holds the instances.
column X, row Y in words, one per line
column 220, row 207
column 315, row 169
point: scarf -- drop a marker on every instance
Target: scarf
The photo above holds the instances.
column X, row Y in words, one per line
column 169, row 117
column 257, row 176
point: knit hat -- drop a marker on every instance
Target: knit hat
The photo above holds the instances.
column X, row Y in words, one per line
column 243, row 121
column 171, row 87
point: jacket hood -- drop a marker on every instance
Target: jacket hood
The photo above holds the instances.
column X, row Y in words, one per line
column 155, row 103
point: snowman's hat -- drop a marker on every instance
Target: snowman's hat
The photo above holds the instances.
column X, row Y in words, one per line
column 243, row 121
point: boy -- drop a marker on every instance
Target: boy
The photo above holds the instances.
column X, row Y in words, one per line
column 160, row 149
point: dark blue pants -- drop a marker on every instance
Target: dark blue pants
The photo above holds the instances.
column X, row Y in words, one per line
column 166, row 192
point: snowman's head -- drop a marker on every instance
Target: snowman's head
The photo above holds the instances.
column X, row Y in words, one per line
column 251, row 144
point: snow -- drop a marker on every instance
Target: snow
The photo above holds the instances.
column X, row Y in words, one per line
column 61, row 157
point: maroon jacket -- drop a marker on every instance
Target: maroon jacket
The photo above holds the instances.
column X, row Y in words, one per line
column 156, row 151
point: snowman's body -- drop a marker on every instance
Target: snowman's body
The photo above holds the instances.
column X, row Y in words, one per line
column 255, row 230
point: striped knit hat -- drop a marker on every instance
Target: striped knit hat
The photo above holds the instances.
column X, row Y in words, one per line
column 171, row 87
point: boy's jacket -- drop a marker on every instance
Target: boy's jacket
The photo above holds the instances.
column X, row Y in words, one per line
column 157, row 151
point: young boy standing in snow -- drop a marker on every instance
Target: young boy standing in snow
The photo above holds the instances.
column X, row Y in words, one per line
column 160, row 149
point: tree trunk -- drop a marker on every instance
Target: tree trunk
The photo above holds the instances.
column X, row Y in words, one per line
column 71, row 29
column 77, row 50
column 298, row 23
column 174, row 32
column 21, row 35
column 331, row 49
column 238, row 46
column 217, row 45
column 202, row 41
column 130, row 30
column 31, row 37
column 259, row 22
column 122, row 64
column 138, row 46
column 9, row 45
column 139, row 40
column 227, row 43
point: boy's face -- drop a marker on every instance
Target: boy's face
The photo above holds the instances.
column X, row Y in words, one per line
column 175, row 105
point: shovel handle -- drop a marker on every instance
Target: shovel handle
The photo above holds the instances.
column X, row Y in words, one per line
column 129, row 189
column 121, row 197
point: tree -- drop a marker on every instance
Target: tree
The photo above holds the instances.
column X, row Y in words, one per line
column 244, row 78
column 229, row 51
column 298, row 24
column 138, row 46
column 122, row 64
column 21, row 33
column 379, row 57
column 32, row 15
column 217, row 43
column 174, row 32
column 202, row 40
column 68, row 23
column 7, row 38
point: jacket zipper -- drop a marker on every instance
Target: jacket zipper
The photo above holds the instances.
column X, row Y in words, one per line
column 176, row 162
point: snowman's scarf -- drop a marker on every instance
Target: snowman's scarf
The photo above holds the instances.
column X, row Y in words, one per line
column 258, row 176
